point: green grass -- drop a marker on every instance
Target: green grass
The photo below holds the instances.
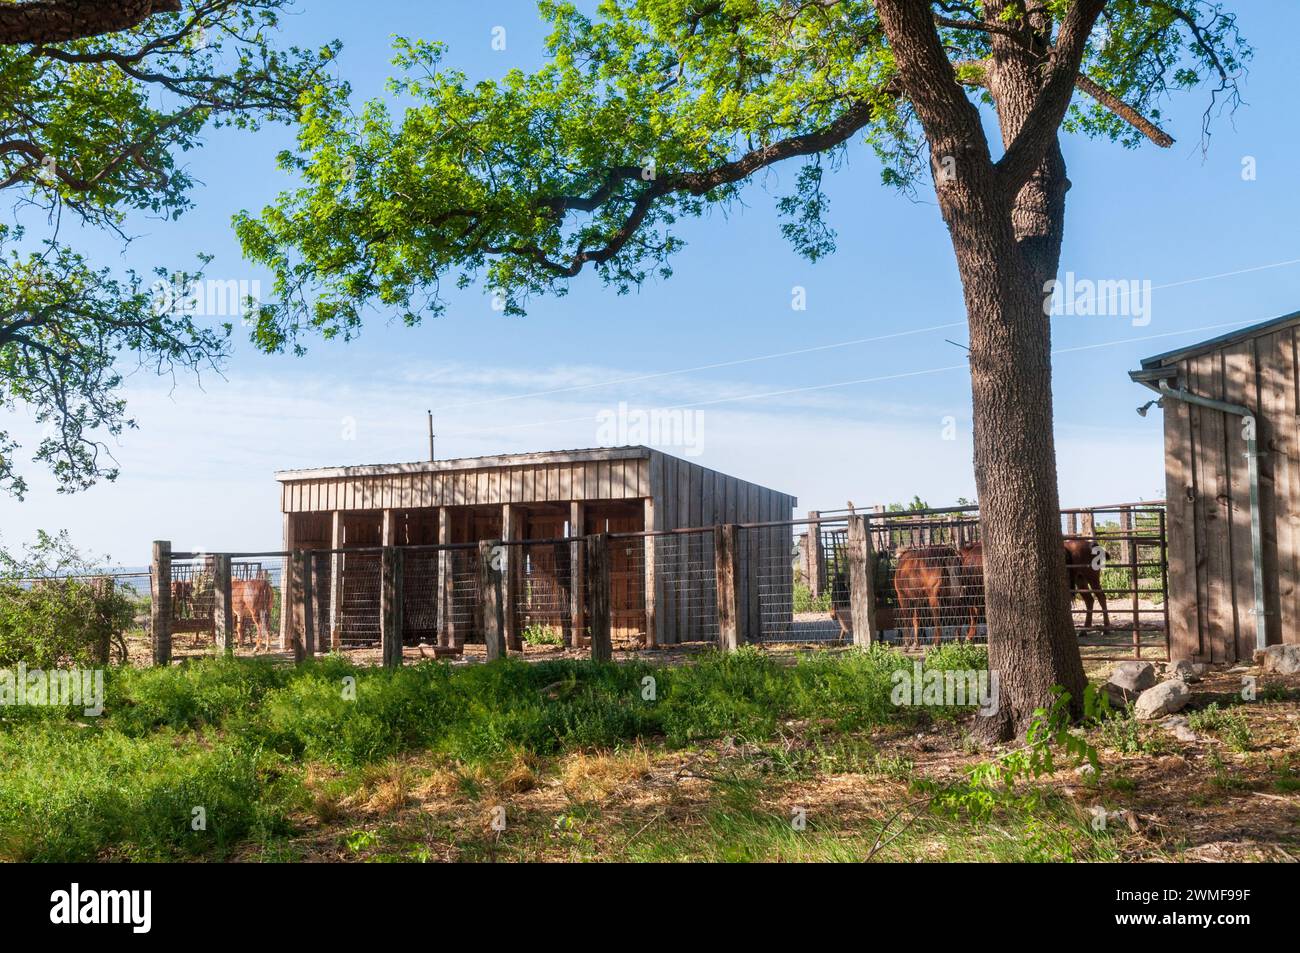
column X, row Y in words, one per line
column 232, row 736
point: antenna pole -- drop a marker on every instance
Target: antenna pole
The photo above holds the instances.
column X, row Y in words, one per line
column 431, row 457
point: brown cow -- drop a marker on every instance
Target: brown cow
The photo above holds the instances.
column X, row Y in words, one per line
column 927, row 580
column 1079, row 554
column 971, row 557
column 252, row 605
column 182, row 598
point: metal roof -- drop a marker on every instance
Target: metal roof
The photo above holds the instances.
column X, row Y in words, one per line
column 468, row 463
column 1223, row 340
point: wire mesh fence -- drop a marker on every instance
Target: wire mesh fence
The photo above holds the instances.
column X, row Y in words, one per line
column 542, row 594
column 788, row 581
column 686, row 589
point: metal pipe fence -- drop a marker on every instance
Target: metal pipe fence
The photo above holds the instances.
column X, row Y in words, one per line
column 912, row 579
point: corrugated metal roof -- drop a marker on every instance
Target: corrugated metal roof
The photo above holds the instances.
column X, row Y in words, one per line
column 1223, row 340
column 467, row 463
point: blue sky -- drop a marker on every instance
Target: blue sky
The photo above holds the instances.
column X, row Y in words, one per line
column 199, row 469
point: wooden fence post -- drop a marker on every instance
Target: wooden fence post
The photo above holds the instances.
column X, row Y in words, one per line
column 1126, row 548
column 223, row 606
column 319, row 566
column 577, row 574
column 160, row 619
column 816, row 557
column 490, row 591
column 602, row 648
column 301, row 634
column 862, row 590
column 391, row 562
column 725, row 557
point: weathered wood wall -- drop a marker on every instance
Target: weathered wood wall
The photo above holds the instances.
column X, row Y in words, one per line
column 612, row 479
column 678, row 601
column 1208, row 492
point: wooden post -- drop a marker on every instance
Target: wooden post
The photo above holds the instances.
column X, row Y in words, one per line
column 1126, row 547
column 602, row 649
column 1088, row 524
column 491, row 590
column 160, row 620
column 286, row 583
column 321, row 590
column 445, row 557
column 816, row 556
column 336, row 580
column 862, row 591
column 390, row 606
column 223, row 609
column 302, row 639
column 577, row 573
column 725, row 558
column 651, row 597
column 511, row 530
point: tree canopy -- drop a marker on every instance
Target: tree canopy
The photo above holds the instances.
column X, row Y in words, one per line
column 649, row 112
column 99, row 102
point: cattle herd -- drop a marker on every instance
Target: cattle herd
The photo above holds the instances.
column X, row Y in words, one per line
column 940, row 586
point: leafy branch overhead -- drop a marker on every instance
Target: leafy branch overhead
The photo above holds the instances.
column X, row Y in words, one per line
column 652, row 111
column 99, row 103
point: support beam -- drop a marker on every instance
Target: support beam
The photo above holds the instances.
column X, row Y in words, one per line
column 511, row 531
column 651, row 583
column 491, row 589
column 336, row 580
column 302, row 632
column 319, row 565
column 160, row 617
column 446, row 636
column 223, row 608
column 602, row 648
column 390, row 606
column 862, row 591
column 725, row 561
column 577, row 573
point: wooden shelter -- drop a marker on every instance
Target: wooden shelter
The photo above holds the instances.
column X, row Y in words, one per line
column 1232, row 471
column 520, row 497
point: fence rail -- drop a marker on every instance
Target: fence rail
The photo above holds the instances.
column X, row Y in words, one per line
column 908, row 578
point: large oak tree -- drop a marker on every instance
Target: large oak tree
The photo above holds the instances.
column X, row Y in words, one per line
column 652, row 110
column 99, row 102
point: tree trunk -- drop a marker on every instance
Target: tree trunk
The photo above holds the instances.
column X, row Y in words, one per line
column 1032, row 644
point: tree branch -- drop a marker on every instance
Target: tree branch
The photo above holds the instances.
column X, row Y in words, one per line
column 57, row 21
column 1040, row 127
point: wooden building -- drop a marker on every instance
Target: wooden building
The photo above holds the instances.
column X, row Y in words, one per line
column 658, row 583
column 1230, row 548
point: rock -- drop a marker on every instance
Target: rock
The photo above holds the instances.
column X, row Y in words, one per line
column 1182, row 668
column 1128, row 680
column 1282, row 659
column 1164, row 699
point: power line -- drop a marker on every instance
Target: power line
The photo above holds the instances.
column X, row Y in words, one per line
column 706, row 367
column 862, row 380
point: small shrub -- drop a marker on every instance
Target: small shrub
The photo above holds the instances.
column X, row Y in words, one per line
column 543, row 635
